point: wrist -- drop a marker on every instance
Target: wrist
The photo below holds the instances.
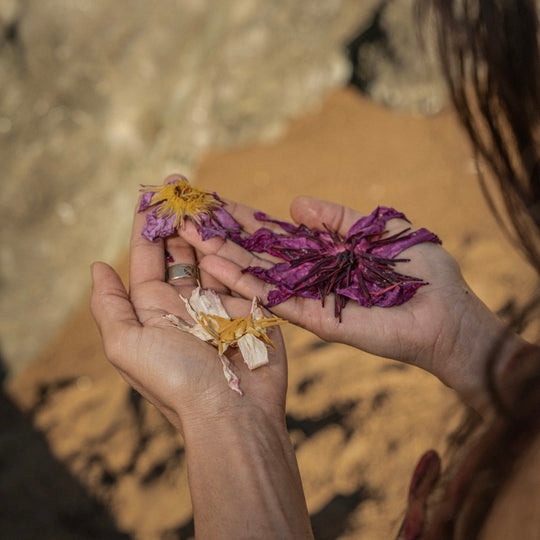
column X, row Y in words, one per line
column 482, row 346
column 219, row 408
column 491, row 362
column 229, row 423
column 244, row 477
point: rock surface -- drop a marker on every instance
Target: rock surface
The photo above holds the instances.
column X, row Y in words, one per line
column 395, row 60
column 98, row 97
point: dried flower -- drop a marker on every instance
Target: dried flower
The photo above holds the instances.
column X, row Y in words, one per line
column 213, row 324
column 177, row 201
column 357, row 266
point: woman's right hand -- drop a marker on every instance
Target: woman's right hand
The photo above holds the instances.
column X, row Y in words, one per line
column 444, row 329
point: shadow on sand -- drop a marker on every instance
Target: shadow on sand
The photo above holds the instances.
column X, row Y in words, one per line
column 39, row 498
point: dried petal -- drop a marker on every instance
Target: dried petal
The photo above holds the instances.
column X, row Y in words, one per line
column 196, row 330
column 205, row 301
column 232, row 380
column 357, row 266
column 213, row 325
column 158, row 227
column 177, row 201
column 253, row 351
column 219, row 223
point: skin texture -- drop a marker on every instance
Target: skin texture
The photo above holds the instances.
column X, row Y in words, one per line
column 444, row 329
column 243, row 474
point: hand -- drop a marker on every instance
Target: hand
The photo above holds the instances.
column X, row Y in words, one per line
column 444, row 329
column 242, row 471
column 174, row 370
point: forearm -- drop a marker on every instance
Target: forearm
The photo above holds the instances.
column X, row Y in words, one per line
column 244, row 480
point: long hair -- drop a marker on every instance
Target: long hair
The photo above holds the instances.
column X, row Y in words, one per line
column 490, row 58
column 491, row 61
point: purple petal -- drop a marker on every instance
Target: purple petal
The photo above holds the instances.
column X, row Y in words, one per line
column 277, row 296
column 395, row 248
column 281, row 274
column 158, row 227
column 375, row 222
column 394, row 297
column 266, row 241
column 359, row 266
column 281, row 294
column 145, row 201
column 219, row 223
column 285, row 225
column 285, row 278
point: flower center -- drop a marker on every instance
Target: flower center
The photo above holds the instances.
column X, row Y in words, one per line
column 183, row 201
column 229, row 331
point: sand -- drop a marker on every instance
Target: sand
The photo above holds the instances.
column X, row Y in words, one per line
column 87, row 458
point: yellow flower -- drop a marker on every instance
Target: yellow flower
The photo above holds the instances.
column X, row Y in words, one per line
column 181, row 200
column 213, row 324
column 229, row 332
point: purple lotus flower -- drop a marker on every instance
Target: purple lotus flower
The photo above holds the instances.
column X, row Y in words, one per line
column 357, row 266
column 177, row 201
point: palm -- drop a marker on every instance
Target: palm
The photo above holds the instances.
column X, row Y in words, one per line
column 415, row 332
column 171, row 368
column 189, row 366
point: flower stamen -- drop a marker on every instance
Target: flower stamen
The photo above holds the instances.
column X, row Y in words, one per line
column 213, row 325
column 227, row 332
column 182, row 200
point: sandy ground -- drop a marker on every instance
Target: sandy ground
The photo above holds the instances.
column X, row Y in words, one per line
column 84, row 457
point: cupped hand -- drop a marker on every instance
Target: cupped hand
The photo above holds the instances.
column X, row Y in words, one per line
column 444, row 329
column 174, row 370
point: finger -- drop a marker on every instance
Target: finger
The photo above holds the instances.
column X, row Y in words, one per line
column 315, row 212
column 208, row 281
column 182, row 261
column 306, row 312
column 112, row 311
column 223, row 248
column 179, row 250
column 230, row 274
column 248, row 286
column 147, row 259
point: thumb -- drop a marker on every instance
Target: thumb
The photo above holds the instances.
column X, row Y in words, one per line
column 314, row 213
column 112, row 309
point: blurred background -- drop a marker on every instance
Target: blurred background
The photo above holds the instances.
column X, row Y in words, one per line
column 259, row 101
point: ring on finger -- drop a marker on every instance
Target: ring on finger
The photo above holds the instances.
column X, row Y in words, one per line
column 179, row 271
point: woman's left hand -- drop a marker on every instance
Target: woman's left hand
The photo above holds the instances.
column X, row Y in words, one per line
column 174, row 370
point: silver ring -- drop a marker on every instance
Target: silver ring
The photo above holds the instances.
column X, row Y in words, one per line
column 178, row 271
